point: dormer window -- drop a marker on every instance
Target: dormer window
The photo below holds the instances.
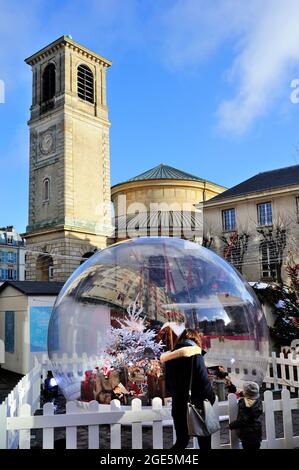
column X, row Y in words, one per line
column 85, row 83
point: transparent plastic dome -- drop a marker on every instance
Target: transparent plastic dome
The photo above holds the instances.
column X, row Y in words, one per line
column 129, row 303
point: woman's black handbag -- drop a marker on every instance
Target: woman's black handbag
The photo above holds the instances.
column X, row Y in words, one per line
column 201, row 422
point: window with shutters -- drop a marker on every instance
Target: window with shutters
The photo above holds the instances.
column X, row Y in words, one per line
column 85, row 83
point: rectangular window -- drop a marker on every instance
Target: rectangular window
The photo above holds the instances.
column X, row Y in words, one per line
column 229, row 219
column 11, row 257
column 10, row 274
column 268, row 262
column 264, row 212
column 9, row 331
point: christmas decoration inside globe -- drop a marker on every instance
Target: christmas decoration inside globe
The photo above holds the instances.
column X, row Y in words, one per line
column 130, row 302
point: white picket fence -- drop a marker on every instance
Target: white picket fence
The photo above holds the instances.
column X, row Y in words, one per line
column 137, row 416
column 26, row 391
column 17, row 411
column 283, row 372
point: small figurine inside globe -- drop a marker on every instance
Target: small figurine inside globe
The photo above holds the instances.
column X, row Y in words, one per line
column 130, row 302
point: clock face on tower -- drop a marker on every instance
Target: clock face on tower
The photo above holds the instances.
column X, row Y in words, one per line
column 47, row 143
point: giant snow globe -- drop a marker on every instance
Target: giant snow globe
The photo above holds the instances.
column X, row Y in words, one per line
column 130, row 302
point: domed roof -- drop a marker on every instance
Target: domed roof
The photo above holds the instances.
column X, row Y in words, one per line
column 165, row 172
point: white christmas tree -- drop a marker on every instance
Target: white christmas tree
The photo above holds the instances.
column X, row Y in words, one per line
column 132, row 341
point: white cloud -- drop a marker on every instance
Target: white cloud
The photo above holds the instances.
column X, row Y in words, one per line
column 270, row 50
column 191, row 30
column 265, row 38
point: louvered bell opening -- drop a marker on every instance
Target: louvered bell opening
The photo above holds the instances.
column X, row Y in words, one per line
column 85, row 83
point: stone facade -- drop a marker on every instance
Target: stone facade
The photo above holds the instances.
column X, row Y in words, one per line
column 160, row 196
column 284, row 203
column 69, row 149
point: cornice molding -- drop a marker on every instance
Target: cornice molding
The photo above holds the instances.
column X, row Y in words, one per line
column 62, row 42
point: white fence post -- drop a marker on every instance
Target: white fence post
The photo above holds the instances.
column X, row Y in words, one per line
column 24, row 439
column 157, row 425
column 93, row 431
column 3, row 426
column 136, row 427
column 274, row 368
column 233, row 412
column 71, row 431
column 115, row 429
column 287, row 419
column 283, row 370
column 269, row 418
column 48, row 433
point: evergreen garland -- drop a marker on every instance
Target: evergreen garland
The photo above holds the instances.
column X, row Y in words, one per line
column 285, row 305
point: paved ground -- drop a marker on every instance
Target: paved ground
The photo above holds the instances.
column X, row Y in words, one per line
column 104, row 432
column 8, row 380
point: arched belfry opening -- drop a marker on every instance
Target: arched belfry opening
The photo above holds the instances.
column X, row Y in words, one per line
column 44, row 268
column 86, row 256
column 49, row 83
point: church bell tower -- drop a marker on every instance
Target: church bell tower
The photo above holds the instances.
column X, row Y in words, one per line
column 69, row 185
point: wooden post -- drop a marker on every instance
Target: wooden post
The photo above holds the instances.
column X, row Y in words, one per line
column 71, row 431
column 136, row 427
column 93, row 431
column 157, row 425
column 232, row 412
column 269, row 417
column 287, row 420
column 24, row 442
column 115, row 429
column 48, row 433
column 283, row 370
column 274, row 367
column 3, row 425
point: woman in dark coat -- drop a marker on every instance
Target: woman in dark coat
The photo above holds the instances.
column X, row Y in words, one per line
column 178, row 372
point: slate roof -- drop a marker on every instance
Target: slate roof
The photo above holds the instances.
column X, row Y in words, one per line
column 34, row 287
column 281, row 177
column 165, row 172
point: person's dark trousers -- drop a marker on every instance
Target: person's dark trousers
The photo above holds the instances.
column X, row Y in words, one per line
column 179, row 414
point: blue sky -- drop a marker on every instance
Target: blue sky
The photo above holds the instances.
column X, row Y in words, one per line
column 203, row 86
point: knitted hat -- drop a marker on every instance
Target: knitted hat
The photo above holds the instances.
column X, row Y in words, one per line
column 251, row 390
